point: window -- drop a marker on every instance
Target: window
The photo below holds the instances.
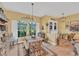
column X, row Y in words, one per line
column 54, row 26
column 32, row 28
column 51, row 26
column 22, row 28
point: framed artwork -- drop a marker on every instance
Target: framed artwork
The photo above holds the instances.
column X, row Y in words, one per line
column 74, row 26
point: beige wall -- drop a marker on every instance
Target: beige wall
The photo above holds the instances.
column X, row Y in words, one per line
column 51, row 36
column 66, row 21
column 62, row 24
column 11, row 15
column 45, row 20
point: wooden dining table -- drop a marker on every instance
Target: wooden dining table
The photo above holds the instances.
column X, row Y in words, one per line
column 35, row 46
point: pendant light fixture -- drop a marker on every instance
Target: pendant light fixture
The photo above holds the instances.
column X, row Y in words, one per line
column 63, row 16
column 32, row 10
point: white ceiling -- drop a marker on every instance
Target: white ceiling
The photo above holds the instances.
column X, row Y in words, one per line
column 44, row 8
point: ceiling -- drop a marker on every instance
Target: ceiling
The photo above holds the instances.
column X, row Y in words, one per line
column 44, row 8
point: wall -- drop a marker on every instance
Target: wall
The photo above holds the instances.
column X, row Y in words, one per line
column 67, row 21
column 11, row 15
column 62, row 22
column 51, row 36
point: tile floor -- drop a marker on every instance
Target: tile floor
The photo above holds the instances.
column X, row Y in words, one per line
column 63, row 49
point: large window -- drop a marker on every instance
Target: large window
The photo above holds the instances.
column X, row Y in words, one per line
column 32, row 28
column 22, row 28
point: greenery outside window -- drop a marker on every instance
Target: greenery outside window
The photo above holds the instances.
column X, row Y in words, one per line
column 22, row 28
column 32, row 28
